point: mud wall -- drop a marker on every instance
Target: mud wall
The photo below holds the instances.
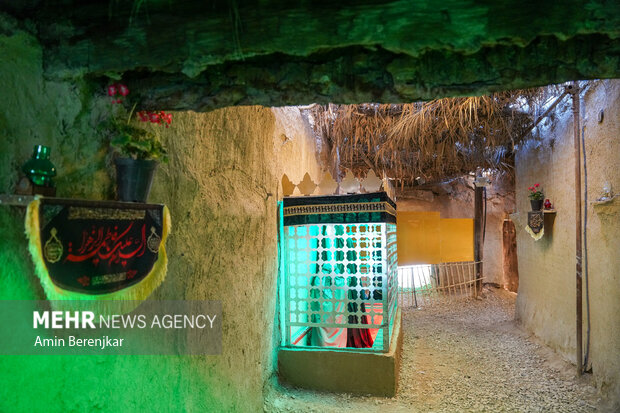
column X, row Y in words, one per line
column 221, row 186
column 456, row 200
column 546, row 301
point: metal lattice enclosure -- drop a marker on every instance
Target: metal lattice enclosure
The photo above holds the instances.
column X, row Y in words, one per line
column 339, row 284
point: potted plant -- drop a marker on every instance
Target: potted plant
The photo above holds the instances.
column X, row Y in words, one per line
column 536, row 197
column 141, row 149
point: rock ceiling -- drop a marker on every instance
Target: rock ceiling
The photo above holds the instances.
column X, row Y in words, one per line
column 200, row 55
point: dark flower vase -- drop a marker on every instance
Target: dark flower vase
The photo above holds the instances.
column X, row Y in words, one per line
column 134, row 178
column 536, row 204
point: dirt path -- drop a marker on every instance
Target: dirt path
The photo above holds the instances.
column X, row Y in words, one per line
column 466, row 358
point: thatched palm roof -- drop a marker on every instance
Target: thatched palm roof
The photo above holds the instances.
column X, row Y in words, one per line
column 436, row 140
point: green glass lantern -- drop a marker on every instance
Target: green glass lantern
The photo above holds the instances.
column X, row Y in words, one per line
column 39, row 169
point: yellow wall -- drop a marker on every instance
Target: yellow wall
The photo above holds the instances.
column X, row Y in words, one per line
column 426, row 238
column 418, row 237
column 457, row 239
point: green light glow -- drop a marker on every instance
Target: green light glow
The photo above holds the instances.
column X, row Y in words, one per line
column 334, row 277
column 94, row 383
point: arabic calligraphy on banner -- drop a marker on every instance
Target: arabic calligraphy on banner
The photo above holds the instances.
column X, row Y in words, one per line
column 97, row 249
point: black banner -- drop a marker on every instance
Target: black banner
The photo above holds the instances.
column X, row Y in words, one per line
column 95, row 247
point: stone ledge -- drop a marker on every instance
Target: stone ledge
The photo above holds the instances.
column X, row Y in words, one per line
column 344, row 371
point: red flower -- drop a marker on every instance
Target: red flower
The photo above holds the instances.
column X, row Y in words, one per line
column 165, row 117
column 112, row 90
column 536, row 185
column 154, row 117
column 530, row 188
column 123, row 90
column 143, row 115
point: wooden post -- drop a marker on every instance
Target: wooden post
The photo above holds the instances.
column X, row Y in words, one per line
column 478, row 247
column 574, row 91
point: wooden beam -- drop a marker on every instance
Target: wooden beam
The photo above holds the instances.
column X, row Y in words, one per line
column 478, row 230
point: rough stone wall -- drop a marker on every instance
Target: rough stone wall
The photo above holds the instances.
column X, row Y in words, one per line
column 200, row 55
column 60, row 114
column 456, row 200
column 298, row 150
column 221, row 186
column 546, row 301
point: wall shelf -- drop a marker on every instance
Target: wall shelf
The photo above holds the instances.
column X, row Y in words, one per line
column 24, row 200
column 606, row 202
column 609, row 207
column 15, row 200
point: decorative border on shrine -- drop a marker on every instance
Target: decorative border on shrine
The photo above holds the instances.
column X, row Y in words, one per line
column 339, row 208
column 359, row 208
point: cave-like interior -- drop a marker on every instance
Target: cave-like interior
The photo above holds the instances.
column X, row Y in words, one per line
column 243, row 82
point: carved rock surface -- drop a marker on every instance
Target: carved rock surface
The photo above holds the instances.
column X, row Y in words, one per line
column 200, row 55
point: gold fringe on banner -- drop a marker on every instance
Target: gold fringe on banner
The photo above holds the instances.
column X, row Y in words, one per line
column 534, row 235
column 128, row 298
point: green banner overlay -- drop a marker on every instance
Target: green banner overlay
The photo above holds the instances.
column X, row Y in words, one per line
column 80, row 327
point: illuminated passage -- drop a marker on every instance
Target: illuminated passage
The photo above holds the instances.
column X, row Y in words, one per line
column 339, row 279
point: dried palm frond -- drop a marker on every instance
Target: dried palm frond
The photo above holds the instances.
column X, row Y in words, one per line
column 436, row 140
